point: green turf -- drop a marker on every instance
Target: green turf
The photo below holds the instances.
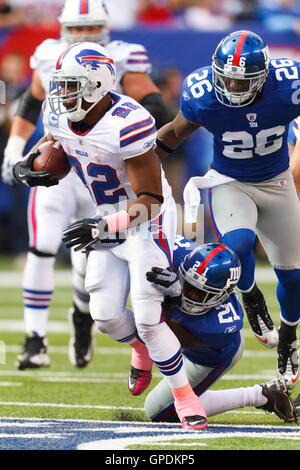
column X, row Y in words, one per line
column 104, row 381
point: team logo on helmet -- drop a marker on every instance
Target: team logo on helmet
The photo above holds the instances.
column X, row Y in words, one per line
column 92, row 59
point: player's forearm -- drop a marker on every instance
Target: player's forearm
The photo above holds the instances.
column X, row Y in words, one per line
column 22, row 128
column 167, row 141
column 144, row 208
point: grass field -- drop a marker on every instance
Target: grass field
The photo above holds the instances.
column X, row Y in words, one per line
column 33, row 403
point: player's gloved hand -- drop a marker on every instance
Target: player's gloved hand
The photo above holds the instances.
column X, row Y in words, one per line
column 24, row 173
column 91, row 234
column 166, row 281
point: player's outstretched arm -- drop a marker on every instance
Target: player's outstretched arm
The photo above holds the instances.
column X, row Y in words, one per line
column 295, row 165
column 144, row 173
column 22, row 127
column 171, row 135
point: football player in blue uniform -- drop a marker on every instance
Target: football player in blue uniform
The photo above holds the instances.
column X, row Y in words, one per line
column 247, row 102
column 204, row 312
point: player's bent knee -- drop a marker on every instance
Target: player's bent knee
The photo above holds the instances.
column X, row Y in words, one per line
column 103, row 308
column 107, row 326
column 241, row 241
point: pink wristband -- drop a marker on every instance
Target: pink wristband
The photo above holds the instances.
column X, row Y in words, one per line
column 118, row 221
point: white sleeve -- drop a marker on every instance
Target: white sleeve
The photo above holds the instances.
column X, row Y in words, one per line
column 296, row 127
column 138, row 134
column 129, row 57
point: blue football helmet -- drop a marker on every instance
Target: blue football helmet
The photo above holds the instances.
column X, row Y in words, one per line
column 208, row 275
column 240, row 67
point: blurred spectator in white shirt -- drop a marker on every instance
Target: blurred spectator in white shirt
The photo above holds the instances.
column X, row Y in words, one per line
column 207, row 15
column 39, row 11
column 122, row 13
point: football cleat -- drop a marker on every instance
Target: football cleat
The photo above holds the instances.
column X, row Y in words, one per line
column 82, row 343
column 261, row 323
column 138, row 380
column 287, row 362
column 34, row 354
column 194, row 423
column 297, row 405
column 279, row 400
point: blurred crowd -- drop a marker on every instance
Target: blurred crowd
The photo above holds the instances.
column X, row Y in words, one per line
column 199, row 15
column 203, row 15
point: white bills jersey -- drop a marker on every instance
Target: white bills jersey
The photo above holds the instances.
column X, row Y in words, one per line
column 127, row 57
column 98, row 154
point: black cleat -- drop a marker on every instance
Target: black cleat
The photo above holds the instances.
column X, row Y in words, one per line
column 194, row 423
column 279, row 400
column 34, row 354
column 287, row 362
column 260, row 321
column 82, row 344
column 297, row 405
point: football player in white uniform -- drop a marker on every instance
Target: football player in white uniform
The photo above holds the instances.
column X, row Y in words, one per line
column 50, row 210
column 110, row 140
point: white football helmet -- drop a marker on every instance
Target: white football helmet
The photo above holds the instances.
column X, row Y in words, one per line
column 84, row 71
column 84, row 13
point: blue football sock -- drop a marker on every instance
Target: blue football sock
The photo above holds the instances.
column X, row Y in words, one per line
column 288, row 294
column 241, row 241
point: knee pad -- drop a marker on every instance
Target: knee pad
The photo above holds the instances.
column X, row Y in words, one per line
column 241, row 241
column 108, row 327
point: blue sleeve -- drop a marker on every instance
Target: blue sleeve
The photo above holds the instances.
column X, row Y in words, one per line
column 187, row 104
column 195, row 94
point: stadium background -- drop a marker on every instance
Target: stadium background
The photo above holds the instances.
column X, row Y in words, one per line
column 175, row 46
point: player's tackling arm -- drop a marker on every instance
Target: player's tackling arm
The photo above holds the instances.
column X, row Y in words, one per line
column 171, row 135
column 145, row 177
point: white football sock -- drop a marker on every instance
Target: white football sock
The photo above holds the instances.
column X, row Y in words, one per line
column 218, row 401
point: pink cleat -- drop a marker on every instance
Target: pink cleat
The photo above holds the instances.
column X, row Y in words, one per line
column 138, row 380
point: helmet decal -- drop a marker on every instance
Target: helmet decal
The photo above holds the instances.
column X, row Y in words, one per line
column 84, row 7
column 209, row 257
column 239, row 47
column 92, row 59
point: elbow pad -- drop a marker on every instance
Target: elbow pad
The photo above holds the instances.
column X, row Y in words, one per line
column 154, row 103
column 29, row 107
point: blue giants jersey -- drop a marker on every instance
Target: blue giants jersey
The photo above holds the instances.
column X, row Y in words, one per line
column 250, row 142
column 219, row 328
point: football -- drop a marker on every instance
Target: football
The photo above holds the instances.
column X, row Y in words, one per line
column 52, row 159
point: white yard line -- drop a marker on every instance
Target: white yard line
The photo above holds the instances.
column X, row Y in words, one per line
column 63, row 277
column 98, row 407
column 17, row 326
